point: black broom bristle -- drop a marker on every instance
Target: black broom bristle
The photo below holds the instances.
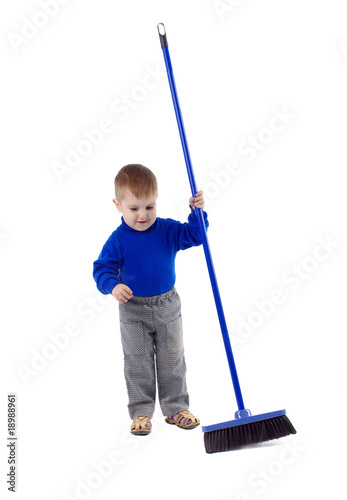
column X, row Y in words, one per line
column 233, row 438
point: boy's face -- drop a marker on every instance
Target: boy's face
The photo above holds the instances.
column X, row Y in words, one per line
column 138, row 213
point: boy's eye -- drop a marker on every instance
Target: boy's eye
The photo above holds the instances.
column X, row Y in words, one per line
column 135, row 208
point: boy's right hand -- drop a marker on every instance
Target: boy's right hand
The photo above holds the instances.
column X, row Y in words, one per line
column 122, row 293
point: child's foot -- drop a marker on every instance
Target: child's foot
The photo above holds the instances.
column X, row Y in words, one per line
column 141, row 426
column 184, row 419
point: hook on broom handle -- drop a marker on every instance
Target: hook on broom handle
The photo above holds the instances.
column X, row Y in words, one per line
column 162, row 35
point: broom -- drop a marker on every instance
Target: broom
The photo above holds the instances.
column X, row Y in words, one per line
column 245, row 429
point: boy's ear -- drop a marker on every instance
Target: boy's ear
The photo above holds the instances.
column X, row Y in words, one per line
column 117, row 203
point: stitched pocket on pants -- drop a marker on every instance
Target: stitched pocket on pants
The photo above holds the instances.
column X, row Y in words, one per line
column 133, row 338
column 175, row 335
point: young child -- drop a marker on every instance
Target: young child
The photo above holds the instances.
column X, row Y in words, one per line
column 137, row 266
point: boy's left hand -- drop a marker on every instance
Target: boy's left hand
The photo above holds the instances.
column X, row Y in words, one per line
column 198, row 201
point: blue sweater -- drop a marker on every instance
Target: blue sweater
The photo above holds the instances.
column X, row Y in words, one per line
column 145, row 260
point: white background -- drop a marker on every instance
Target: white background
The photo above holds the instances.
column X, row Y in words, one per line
column 236, row 68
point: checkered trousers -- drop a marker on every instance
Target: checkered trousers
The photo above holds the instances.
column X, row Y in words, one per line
column 152, row 339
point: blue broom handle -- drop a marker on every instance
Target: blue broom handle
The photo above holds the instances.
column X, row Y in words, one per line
column 199, row 213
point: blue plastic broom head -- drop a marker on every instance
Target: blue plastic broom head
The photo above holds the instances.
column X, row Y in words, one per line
column 243, row 417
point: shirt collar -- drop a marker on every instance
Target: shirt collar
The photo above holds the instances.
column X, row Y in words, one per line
column 128, row 228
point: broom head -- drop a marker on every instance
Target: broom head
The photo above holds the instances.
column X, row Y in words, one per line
column 246, row 430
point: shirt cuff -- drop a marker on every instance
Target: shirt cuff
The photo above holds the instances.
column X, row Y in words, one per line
column 193, row 217
column 109, row 285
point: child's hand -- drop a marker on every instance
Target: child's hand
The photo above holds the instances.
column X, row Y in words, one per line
column 198, row 201
column 122, row 293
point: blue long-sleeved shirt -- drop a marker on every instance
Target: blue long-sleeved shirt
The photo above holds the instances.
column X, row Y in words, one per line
column 145, row 260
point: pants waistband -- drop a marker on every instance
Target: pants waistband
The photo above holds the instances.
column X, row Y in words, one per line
column 154, row 299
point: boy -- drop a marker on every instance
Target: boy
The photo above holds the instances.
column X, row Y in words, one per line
column 137, row 265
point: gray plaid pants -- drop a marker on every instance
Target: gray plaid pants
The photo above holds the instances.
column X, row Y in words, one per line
column 152, row 339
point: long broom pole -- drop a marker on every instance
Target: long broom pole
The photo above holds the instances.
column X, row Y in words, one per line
column 205, row 242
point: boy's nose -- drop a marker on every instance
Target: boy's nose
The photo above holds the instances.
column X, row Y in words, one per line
column 143, row 214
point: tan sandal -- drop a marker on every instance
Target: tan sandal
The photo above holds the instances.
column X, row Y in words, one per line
column 182, row 419
column 141, row 426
